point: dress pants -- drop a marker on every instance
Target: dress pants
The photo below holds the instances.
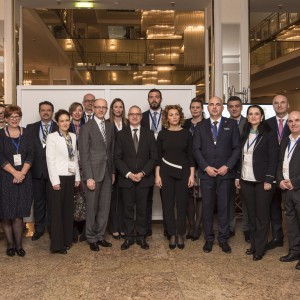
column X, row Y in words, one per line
column 135, row 197
column 97, row 209
column 291, row 200
column 175, row 191
column 276, row 215
column 62, row 207
column 216, row 189
column 258, row 203
column 41, row 211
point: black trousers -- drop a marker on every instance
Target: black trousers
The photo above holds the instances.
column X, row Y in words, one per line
column 258, row 202
column 276, row 215
column 291, row 200
column 116, row 220
column 62, row 207
column 41, row 211
column 175, row 193
column 216, row 189
column 135, row 199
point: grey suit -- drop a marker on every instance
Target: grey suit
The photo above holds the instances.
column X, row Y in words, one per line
column 96, row 158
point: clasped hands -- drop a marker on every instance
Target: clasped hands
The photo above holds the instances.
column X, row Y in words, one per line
column 213, row 172
column 136, row 177
column 18, row 177
column 286, row 185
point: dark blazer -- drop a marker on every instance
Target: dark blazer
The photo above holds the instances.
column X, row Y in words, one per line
column 127, row 160
column 83, row 118
column 273, row 124
column 294, row 170
column 265, row 156
column 145, row 120
column 39, row 165
column 241, row 124
column 226, row 151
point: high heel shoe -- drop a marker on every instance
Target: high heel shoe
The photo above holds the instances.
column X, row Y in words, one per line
column 21, row 252
column 116, row 235
column 172, row 242
column 257, row 257
column 180, row 242
column 249, row 252
column 10, row 252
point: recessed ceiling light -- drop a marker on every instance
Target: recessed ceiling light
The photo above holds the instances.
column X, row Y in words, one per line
column 80, row 4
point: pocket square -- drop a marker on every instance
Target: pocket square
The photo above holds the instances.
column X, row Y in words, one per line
column 226, row 128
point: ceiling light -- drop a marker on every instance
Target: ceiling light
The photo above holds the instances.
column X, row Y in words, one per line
column 84, row 4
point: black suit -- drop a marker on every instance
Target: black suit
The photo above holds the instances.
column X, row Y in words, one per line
column 276, row 211
column 40, row 177
column 83, row 121
column 291, row 199
column 128, row 160
column 226, row 152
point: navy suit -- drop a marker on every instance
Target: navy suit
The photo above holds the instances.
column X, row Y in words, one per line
column 226, row 151
column 276, row 211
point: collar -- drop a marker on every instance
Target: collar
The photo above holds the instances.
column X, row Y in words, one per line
column 49, row 123
column 153, row 111
column 292, row 139
column 218, row 120
column 285, row 118
column 98, row 121
column 138, row 128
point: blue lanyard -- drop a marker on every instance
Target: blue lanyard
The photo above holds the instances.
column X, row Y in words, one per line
column 153, row 121
column 17, row 145
column 283, row 129
column 49, row 129
column 216, row 131
column 249, row 145
column 289, row 146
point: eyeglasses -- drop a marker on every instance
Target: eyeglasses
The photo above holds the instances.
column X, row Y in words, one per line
column 14, row 118
column 100, row 107
column 134, row 115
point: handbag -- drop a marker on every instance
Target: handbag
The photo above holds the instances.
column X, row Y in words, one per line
column 79, row 205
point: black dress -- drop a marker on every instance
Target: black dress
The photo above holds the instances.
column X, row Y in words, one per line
column 16, row 199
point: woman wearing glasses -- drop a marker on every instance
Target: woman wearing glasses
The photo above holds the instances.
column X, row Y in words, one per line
column 62, row 162
column 16, row 156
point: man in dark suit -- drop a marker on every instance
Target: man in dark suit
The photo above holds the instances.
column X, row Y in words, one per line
column 235, row 107
column 87, row 102
column 216, row 148
column 279, row 124
column 96, row 148
column 152, row 120
column 135, row 158
column 38, row 133
column 288, row 179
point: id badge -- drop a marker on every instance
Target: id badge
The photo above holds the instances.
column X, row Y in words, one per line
column 71, row 167
column 44, row 145
column 247, row 157
column 17, row 160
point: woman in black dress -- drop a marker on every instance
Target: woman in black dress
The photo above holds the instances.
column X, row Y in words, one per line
column 116, row 225
column 16, row 156
column 194, row 207
column 175, row 172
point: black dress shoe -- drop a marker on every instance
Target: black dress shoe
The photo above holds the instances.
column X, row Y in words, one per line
column 290, row 257
column 116, row 237
column 172, row 242
column 104, row 243
column 180, row 246
column 67, row 247
column 144, row 245
column 21, row 252
column 250, row 252
column 180, row 242
column 208, row 247
column 231, row 234
column 126, row 245
column 11, row 252
column 274, row 244
column 36, row 236
column 257, row 257
column 297, row 267
column 189, row 236
column 94, row 247
column 196, row 235
column 247, row 236
column 62, row 251
column 225, row 247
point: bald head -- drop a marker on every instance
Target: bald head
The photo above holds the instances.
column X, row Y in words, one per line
column 294, row 123
column 215, row 107
column 280, row 105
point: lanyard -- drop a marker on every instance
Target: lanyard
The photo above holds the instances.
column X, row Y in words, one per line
column 216, row 131
column 153, row 121
column 289, row 146
column 49, row 129
column 17, row 145
column 283, row 129
column 249, row 145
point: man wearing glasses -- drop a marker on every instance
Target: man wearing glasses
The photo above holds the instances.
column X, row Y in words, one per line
column 96, row 147
column 87, row 103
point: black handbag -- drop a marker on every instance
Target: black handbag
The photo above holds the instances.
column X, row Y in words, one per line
column 79, row 205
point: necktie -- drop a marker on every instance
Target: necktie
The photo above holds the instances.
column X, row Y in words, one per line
column 89, row 117
column 45, row 133
column 280, row 129
column 154, row 121
column 102, row 129
column 135, row 140
column 215, row 131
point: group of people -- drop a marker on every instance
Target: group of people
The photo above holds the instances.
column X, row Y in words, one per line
column 198, row 164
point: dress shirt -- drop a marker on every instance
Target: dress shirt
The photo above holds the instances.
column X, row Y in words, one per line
column 285, row 118
column 99, row 121
column 218, row 120
column 247, row 168
column 86, row 116
column 158, row 118
column 287, row 158
column 43, row 126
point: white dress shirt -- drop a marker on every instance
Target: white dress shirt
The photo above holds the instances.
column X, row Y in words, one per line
column 287, row 157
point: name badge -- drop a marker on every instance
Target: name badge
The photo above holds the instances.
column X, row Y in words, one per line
column 71, row 167
column 17, row 160
column 44, row 145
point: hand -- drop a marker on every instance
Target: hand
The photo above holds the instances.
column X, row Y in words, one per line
column 19, row 176
column 77, row 183
column 284, row 184
column 191, row 181
column 289, row 185
column 90, row 183
column 211, row 171
column 132, row 177
column 139, row 176
column 222, row 171
column 113, row 178
column 56, row 187
column 158, row 182
column 15, row 181
column 267, row 186
column 237, row 184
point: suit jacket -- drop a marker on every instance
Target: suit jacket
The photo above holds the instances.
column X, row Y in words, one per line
column 242, row 124
column 58, row 157
column 95, row 155
column 294, row 170
column 265, row 157
column 82, row 121
column 272, row 122
column 145, row 120
column 39, row 166
column 127, row 160
column 226, row 151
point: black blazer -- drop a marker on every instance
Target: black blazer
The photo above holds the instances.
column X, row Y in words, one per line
column 127, row 160
column 226, row 152
column 294, row 170
column 82, row 121
column 265, row 156
column 272, row 122
column 39, row 166
column 145, row 120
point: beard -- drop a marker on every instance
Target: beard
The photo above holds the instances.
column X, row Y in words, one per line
column 155, row 105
